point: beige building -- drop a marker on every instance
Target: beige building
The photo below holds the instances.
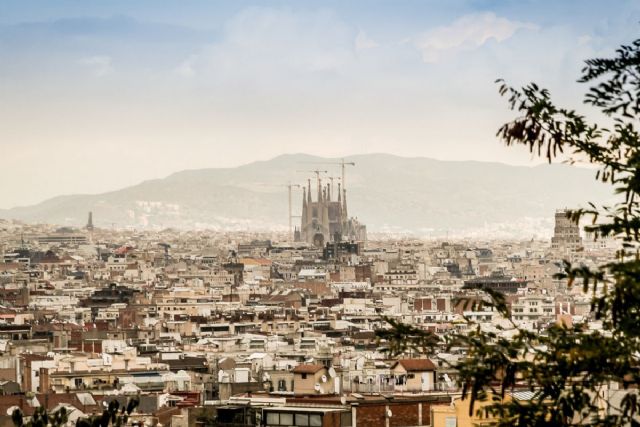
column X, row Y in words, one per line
column 312, row 379
column 457, row 414
column 566, row 240
column 414, row 375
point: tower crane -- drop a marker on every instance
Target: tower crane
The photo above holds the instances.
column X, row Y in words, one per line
column 317, row 172
column 289, row 187
column 331, row 178
column 342, row 165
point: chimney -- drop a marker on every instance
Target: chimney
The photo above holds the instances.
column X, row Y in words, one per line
column 44, row 380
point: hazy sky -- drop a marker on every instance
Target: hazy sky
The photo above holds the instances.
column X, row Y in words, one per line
column 97, row 95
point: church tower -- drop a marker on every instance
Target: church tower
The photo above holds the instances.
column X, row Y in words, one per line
column 326, row 219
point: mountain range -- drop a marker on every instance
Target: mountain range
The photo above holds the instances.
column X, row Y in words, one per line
column 386, row 192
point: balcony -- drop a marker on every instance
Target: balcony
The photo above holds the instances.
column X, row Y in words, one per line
column 367, row 388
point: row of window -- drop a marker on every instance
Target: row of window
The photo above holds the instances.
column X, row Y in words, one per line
column 304, row 420
column 532, row 310
column 290, row 419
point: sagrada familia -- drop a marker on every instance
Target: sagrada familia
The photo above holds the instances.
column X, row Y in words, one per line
column 326, row 220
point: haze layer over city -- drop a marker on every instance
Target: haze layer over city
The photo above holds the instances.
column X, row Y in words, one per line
column 281, row 213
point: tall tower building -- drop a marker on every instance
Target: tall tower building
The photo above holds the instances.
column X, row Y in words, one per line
column 566, row 240
column 89, row 225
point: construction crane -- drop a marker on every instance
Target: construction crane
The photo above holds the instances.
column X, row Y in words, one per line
column 342, row 165
column 290, row 186
column 331, row 178
column 317, row 172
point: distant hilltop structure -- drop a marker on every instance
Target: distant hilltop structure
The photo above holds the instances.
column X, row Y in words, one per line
column 89, row 225
column 325, row 219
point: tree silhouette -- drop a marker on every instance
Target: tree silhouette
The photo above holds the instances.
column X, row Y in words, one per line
column 569, row 369
column 113, row 415
column 40, row 418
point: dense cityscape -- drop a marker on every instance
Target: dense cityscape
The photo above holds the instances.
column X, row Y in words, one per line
column 280, row 213
column 214, row 328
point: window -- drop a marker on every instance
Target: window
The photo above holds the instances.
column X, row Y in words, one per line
column 273, row 418
column 345, row 419
column 304, row 376
column 286, row 419
column 302, row 419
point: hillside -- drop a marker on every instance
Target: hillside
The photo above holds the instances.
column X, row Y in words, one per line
column 386, row 192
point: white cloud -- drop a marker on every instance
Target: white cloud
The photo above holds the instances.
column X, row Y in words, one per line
column 263, row 46
column 364, row 42
column 101, row 65
column 468, row 32
column 187, row 67
column 584, row 40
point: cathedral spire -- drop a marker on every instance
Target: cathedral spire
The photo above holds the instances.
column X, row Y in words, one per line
column 309, row 192
column 304, row 199
column 339, row 195
column 344, row 205
column 325, row 216
column 328, row 192
column 304, row 216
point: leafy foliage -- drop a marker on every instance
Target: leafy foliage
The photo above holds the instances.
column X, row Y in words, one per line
column 404, row 338
column 113, row 415
column 568, row 369
column 41, row 418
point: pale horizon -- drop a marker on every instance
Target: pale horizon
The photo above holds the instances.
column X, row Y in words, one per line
column 101, row 96
column 534, row 162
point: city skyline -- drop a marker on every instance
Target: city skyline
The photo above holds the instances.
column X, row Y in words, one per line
column 271, row 213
